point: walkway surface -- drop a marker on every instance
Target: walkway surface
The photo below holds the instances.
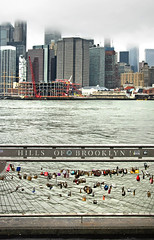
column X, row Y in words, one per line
column 48, row 199
column 53, row 188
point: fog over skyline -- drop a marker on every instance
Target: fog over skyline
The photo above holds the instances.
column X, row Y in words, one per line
column 125, row 22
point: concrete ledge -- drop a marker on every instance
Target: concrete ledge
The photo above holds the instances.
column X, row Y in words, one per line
column 78, row 226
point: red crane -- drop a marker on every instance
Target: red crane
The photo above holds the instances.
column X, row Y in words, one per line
column 33, row 79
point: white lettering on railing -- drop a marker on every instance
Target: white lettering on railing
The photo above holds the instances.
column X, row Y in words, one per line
column 122, row 153
column 104, row 154
column 42, row 153
column 81, row 153
column 20, row 153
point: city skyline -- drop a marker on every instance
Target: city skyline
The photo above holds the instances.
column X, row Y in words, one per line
column 124, row 22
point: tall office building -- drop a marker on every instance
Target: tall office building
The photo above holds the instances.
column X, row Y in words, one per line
column 124, row 57
column 20, row 32
column 134, row 58
column 19, row 41
column 49, row 61
column 73, row 60
column 50, row 36
column 6, row 34
column 7, row 69
column 149, row 57
column 145, row 70
column 37, row 59
column 44, row 64
column 112, row 78
column 97, row 66
column 15, row 36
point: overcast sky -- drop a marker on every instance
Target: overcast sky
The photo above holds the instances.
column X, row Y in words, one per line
column 125, row 22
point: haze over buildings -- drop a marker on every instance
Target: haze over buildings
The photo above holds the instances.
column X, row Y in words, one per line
column 75, row 58
column 85, row 19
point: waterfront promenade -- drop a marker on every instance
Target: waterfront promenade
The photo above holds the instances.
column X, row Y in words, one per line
column 85, row 196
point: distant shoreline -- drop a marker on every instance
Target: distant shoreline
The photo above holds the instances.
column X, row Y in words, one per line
column 75, row 98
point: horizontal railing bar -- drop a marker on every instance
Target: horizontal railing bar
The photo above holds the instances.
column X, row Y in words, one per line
column 77, row 160
column 151, row 215
column 79, row 145
column 76, row 151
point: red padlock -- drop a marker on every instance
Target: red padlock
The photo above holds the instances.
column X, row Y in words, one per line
column 138, row 178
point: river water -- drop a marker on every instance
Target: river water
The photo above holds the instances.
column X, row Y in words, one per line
column 76, row 122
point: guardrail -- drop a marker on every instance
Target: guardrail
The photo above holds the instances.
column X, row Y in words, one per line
column 77, row 152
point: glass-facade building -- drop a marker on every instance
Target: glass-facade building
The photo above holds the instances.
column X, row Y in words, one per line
column 7, row 69
column 124, row 57
column 97, row 66
column 49, row 62
column 149, row 57
column 134, row 58
column 17, row 37
column 6, row 33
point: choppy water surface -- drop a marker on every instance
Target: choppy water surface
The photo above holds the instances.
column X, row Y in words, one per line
column 76, row 122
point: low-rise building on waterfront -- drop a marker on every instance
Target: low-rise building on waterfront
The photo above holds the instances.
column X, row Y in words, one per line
column 136, row 79
column 89, row 90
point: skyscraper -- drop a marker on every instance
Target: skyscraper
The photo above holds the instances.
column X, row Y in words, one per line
column 145, row 71
column 37, row 59
column 112, row 79
column 7, row 69
column 6, row 34
column 124, row 57
column 49, row 61
column 134, row 58
column 19, row 39
column 73, row 60
column 51, row 35
column 20, row 32
column 149, row 57
column 97, row 66
column 15, row 36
